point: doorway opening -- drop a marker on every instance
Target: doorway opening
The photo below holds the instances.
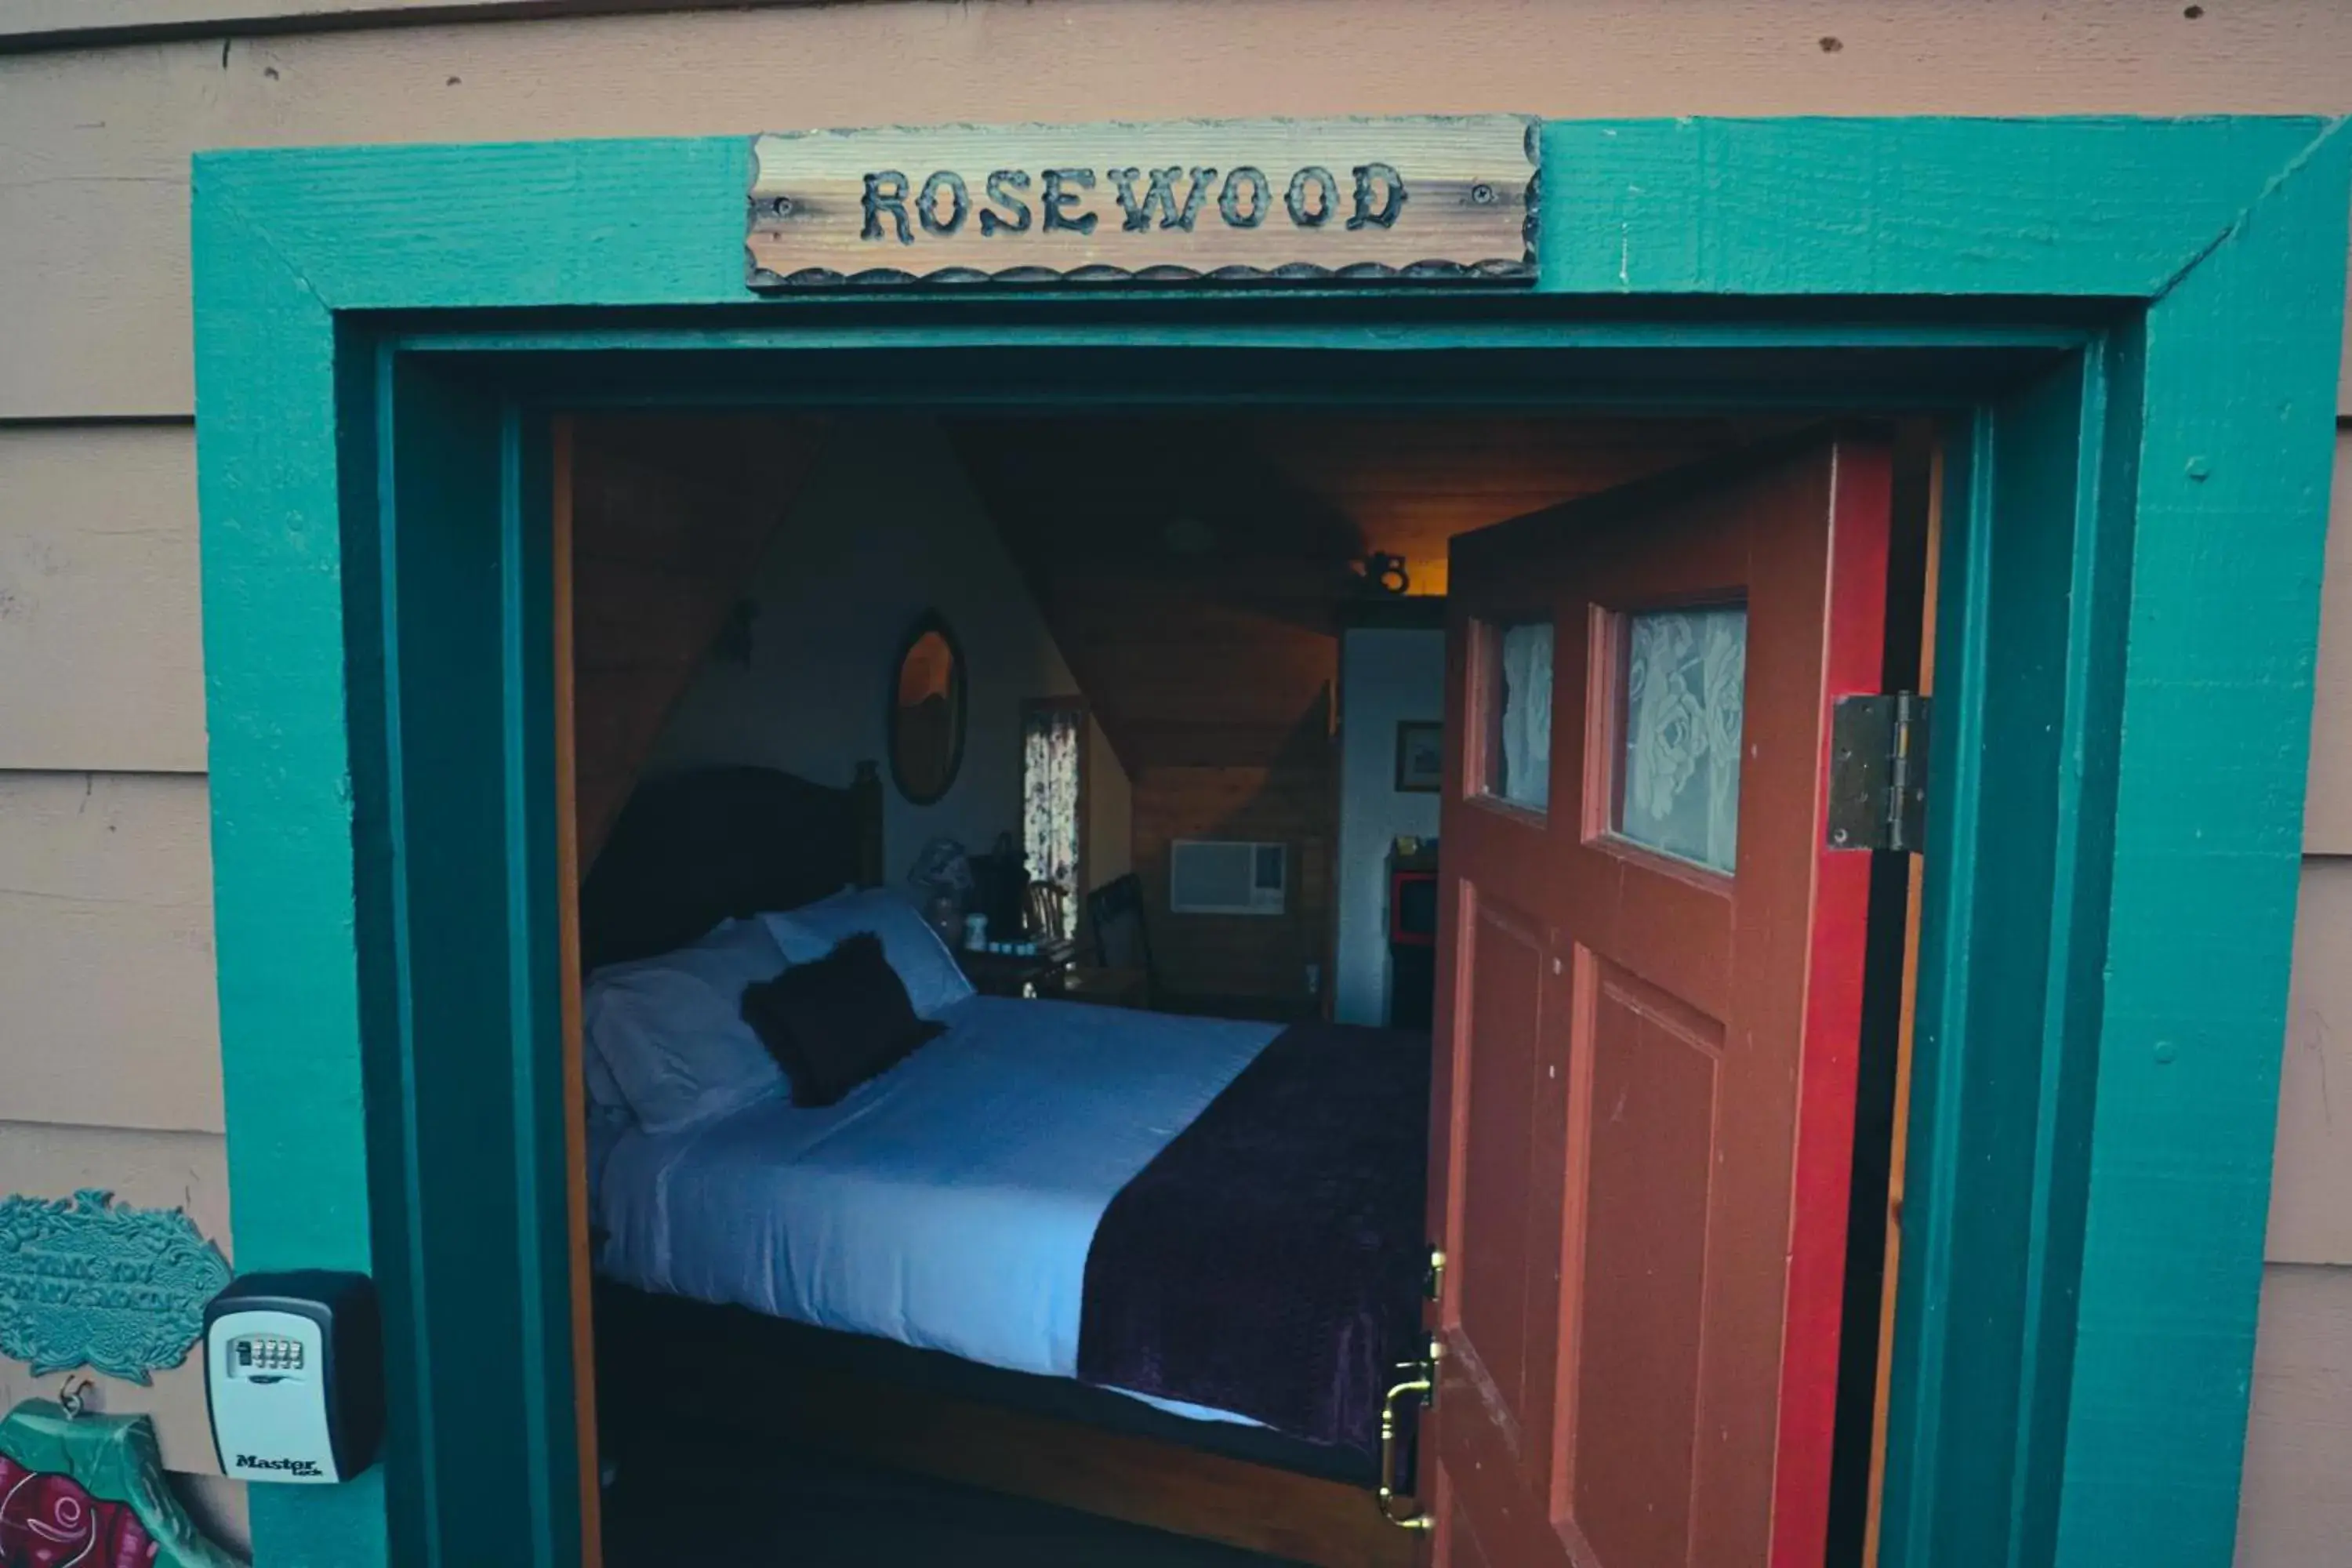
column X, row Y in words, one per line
column 1137, row 743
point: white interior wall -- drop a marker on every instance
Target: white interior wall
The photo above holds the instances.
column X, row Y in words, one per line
column 1385, row 676
column 886, row 527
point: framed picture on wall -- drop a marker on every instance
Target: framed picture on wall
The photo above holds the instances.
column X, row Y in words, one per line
column 1420, row 755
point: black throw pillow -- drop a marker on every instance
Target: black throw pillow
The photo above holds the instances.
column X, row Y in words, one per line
column 832, row 1024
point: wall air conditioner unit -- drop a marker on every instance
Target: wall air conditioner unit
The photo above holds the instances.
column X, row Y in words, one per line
column 1226, row 877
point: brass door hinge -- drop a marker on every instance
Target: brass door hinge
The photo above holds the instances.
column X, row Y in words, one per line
column 1432, row 1283
column 1878, row 772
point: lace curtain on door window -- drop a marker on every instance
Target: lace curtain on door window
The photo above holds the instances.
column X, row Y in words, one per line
column 1686, row 697
column 1051, row 740
column 1522, row 725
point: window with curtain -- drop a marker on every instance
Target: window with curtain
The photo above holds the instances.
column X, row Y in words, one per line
column 1519, row 769
column 1685, row 674
column 1052, row 773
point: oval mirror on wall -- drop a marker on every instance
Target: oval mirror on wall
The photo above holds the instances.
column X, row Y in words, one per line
column 927, row 710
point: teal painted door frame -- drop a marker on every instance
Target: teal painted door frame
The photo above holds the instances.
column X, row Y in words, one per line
column 2131, row 326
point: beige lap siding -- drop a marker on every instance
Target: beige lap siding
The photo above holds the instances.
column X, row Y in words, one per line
column 2311, row 1186
column 101, row 654
column 94, row 143
column 109, row 1036
column 107, row 1010
column 2294, row 1509
column 106, row 987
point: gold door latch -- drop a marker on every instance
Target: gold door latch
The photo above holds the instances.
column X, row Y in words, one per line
column 1419, row 1383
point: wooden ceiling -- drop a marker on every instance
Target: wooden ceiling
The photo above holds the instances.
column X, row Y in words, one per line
column 1196, row 571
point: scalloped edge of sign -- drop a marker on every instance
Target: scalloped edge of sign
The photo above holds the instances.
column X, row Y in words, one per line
column 1500, row 271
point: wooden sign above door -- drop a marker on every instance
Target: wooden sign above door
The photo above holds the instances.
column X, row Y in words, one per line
column 1438, row 200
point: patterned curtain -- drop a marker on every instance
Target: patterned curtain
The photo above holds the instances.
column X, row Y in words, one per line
column 1052, row 740
column 1685, row 700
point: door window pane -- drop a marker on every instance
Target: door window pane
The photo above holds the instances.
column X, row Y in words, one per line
column 1685, row 690
column 1518, row 768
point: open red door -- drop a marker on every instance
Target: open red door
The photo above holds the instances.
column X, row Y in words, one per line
column 1648, row 1006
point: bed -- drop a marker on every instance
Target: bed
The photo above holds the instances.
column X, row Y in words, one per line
column 1052, row 1208
column 948, row 1206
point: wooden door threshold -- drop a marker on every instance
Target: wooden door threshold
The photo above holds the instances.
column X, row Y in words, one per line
column 1116, row 1475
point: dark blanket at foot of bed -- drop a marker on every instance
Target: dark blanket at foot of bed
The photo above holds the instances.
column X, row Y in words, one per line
column 1269, row 1262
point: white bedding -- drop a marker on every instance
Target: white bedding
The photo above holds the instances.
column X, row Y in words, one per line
column 949, row 1203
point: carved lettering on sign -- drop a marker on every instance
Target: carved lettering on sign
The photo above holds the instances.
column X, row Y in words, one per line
column 1423, row 200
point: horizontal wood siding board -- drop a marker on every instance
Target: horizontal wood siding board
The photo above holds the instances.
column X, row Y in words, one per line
column 100, row 627
column 43, row 25
column 94, row 145
column 2294, row 1509
column 107, row 1014
column 2311, row 1181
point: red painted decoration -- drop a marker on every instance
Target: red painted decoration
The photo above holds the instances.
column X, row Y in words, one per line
column 48, row 1522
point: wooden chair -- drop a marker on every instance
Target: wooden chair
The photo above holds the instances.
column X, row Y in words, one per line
column 1121, row 971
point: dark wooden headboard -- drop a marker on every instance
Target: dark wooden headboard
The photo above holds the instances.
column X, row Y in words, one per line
column 694, row 849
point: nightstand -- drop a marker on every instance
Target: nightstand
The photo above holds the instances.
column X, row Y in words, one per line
column 1014, row 973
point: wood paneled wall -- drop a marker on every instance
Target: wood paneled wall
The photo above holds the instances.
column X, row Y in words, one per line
column 1224, row 958
column 670, row 515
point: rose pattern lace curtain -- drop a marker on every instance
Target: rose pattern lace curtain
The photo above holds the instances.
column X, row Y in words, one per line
column 1050, row 749
column 1686, row 693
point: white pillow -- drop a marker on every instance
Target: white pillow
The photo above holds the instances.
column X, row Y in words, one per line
column 603, row 1094
column 924, row 965
column 671, row 1029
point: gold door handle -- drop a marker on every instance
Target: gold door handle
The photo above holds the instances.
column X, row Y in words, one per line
column 1423, row 1385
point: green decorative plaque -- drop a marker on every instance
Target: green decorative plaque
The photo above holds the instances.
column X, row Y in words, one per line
column 86, row 1283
